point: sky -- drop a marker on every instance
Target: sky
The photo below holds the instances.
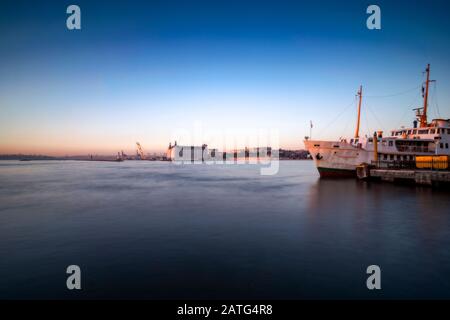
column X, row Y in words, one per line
column 155, row 71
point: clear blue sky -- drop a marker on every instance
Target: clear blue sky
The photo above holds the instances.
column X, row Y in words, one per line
column 138, row 70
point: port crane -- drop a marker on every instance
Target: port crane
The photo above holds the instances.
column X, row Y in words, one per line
column 139, row 152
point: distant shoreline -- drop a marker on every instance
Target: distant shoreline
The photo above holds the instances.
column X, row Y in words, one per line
column 113, row 160
column 283, row 155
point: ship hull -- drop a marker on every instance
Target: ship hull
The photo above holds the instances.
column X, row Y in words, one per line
column 336, row 173
column 337, row 159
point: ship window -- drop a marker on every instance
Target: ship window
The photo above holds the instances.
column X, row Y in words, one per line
column 391, row 143
column 391, row 156
column 213, row 153
column 409, row 131
column 448, row 131
column 423, row 131
column 446, row 146
column 442, row 145
column 432, row 131
column 385, row 156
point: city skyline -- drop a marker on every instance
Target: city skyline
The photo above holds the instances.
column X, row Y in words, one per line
column 143, row 72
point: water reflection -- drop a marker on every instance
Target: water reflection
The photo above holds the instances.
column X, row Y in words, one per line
column 156, row 230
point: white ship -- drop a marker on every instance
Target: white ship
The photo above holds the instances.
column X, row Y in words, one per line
column 200, row 154
column 340, row 158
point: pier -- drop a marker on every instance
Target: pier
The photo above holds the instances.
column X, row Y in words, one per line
column 406, row 172
column 419, row 177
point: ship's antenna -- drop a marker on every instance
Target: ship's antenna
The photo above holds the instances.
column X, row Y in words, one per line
column 423, row 118
column 359, row 112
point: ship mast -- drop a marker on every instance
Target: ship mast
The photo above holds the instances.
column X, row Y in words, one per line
column 423, row 117
column 359, row 112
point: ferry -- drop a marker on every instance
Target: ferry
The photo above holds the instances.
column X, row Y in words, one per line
column 340, row 158
column 200, row 154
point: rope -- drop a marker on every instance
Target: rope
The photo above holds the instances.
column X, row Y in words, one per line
column 381, row 126
column 436, row 100
column 367, row 124
column 373, row 113
column 334, row 119
column 393, row 94
column 406, row 110
column 343, row 133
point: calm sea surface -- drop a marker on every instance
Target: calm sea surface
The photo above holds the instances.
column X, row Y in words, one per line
column 159, row 230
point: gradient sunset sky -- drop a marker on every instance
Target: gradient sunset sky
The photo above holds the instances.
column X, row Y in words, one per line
column 140, row 70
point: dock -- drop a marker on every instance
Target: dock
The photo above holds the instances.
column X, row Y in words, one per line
column 419, row 177
column 403, row 172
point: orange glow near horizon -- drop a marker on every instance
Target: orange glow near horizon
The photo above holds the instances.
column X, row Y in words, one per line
column 71, row 146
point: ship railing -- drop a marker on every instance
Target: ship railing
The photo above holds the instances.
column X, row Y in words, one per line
column 414, row 149
column 394, row 164
column 433, row 165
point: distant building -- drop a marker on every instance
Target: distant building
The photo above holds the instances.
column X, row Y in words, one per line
column 187, row 153
column 176, row 152
column 293, row 154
